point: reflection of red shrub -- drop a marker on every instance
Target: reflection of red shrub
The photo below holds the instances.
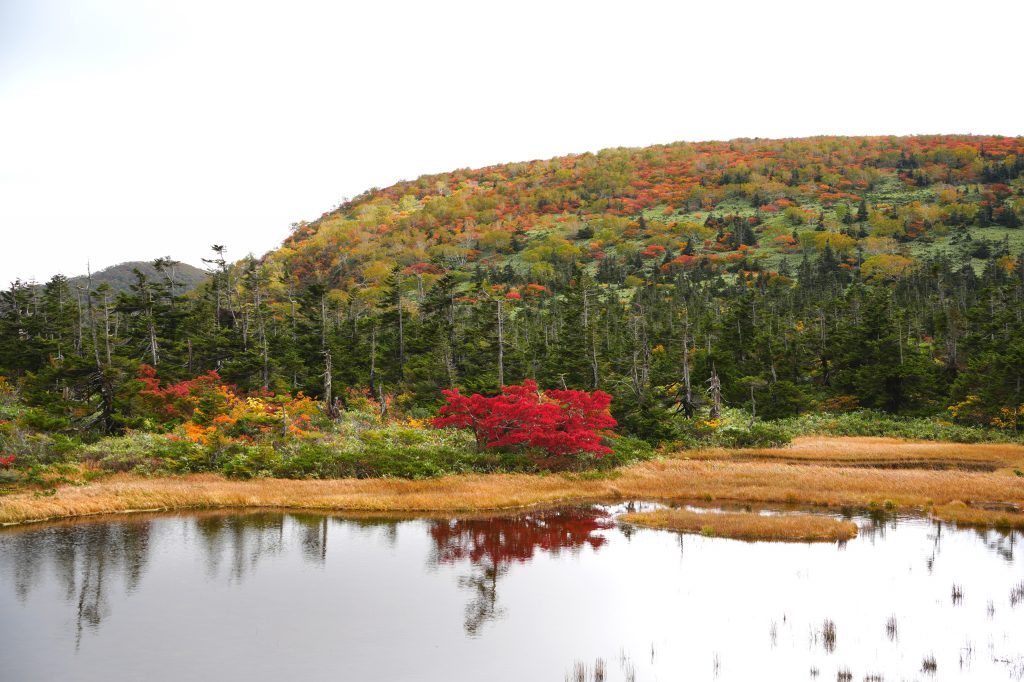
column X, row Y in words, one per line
column 504, row 540
column 557, row 422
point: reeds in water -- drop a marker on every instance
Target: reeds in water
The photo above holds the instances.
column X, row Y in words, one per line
column 828, row 635
column 1017, row 594
column 892, row 629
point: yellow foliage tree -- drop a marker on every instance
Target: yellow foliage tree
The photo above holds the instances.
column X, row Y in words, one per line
column 885, row 267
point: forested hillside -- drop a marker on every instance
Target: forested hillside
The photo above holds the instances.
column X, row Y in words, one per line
column 777, row 276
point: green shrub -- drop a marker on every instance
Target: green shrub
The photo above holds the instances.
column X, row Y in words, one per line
column 626, row 450
column 40, row 420
column 378, row 455
column 758, row 435
column 140, row 452
column 38, row 449
column 733, row 430
column 874, row 423
column 250, row 461
column 648, row 420
column 782, row 399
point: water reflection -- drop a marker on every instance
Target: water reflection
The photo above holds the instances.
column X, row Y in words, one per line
column 449, row 599
column 86, row 557
column 241, row 541
column 490, row 545
column 84, row 561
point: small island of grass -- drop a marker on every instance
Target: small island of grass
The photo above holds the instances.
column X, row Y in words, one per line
column 749, row 526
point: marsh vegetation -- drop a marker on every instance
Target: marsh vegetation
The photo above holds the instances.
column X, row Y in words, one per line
column 747, row 525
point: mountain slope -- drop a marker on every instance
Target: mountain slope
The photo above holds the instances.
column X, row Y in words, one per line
column 725, row 206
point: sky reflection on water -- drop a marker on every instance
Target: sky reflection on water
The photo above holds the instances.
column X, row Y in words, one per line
column 532, row 596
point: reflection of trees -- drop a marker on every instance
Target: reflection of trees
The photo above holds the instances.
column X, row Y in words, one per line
column 1001, row 541
column 936, row 539
column 482, row 607
column 87, row 559
column 244, row 538
column 492, row 544
column 313, row 536
column 878, row 522
column 84, row 558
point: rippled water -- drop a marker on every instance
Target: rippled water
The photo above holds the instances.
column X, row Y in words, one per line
column 534, row 596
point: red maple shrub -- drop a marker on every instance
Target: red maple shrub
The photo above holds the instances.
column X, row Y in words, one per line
column 557, row 423
column 176, row 401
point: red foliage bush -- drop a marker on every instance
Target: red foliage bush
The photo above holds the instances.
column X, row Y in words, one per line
column 176, row 400
column 523, row 417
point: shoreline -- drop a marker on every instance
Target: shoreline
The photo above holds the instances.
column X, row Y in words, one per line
column 827, row 473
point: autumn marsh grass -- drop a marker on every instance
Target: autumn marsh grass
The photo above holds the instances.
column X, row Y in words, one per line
column 960, row 513
column 747, row 526
column 957, row 495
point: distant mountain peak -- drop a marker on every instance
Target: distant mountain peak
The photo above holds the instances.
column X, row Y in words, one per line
column 120, row 277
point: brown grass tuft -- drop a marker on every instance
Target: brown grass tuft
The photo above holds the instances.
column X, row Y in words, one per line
column 960, row 513
column 747, row 526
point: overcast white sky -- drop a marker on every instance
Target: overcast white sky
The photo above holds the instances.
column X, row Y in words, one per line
column 131, row 129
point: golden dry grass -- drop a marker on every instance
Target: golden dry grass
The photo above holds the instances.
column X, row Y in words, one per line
column 747, row 526
column 884, row 452
column 961, row 514
column 762, row 482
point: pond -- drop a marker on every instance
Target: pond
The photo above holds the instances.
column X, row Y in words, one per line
column 546, row 595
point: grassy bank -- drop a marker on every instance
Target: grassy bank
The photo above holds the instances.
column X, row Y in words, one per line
column 747, row 526
column 703, row 476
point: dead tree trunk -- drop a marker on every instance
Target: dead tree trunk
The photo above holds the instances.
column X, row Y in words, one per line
column 715, row 393
column 688, row 404
column 330, row 407
column 501, row 344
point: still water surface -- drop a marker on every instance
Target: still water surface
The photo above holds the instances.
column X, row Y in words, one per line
column 269, row 596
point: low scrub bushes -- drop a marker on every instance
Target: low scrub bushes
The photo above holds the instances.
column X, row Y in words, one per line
column 874, row 423
column 204, row 425
column 140, row 452
column 356, row 450
column 733, row 430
